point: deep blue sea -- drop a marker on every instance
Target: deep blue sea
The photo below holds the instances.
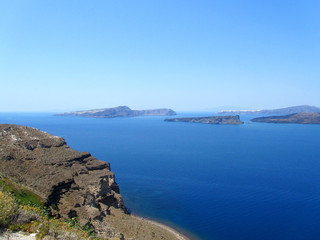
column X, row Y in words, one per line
column 255, row 181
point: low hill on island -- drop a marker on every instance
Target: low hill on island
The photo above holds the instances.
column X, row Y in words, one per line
column 121, row 111
column 300, row 118
column 288, row 110
column 72, row 184
column 208, row 120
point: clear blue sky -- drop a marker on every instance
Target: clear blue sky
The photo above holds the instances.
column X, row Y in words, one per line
column 187, row 55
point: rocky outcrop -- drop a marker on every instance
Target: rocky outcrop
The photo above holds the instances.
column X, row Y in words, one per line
column 287, row 110
column 73, row 183
column 208, row 120
column 121, row 111
column 300, row 118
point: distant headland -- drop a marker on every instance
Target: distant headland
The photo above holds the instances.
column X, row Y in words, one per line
column 287, row 110
column 301, row 118
column 209, row 120
column 121, row 111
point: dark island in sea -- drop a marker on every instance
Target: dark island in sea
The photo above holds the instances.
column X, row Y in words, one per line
column 208, row 120
column 288, row 110
column 300, row 118
column 121, row 111
column 72, row 184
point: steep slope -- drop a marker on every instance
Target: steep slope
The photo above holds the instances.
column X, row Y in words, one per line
column 71, row 183
column 74, row 183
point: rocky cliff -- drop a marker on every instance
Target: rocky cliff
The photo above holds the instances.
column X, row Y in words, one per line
column 74, row 183
column 300, row 118
column 121, row 111
column 71, row 183
column 208, row 120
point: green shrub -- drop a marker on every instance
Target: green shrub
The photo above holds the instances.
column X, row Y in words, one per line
column 22, row 195
column 21, row 210
column 8, row 209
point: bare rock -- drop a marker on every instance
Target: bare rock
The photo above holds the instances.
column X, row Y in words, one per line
column 77, row 184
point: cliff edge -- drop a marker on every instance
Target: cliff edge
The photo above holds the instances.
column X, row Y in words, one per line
column 72, row 184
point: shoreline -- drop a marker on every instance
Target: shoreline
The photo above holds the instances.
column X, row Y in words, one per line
column 176, row 233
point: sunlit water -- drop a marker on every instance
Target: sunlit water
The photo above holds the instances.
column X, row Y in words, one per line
column 251, row 181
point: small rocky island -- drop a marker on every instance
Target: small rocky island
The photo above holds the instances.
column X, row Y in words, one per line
column 121, row 111
column 209, row 120
column 300, row 118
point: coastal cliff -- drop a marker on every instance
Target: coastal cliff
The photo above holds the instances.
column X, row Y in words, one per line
column 121, row 111
column 299, row 118
column 208, row 120
column 72, row 184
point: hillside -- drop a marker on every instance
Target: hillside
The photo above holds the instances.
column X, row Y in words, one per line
column 121, row 111
column 72, row 184
column 300, row 118
column 287, row 110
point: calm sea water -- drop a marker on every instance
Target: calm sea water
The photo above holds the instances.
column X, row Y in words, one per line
column 253, row 181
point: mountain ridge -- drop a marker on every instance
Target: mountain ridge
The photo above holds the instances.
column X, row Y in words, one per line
column 287, row 110
column 120, row 111
column 300, row 118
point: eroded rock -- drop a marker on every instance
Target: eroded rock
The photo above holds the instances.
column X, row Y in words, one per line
column 75, row 183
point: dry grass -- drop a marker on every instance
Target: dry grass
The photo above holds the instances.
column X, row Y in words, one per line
column 8, row 209
column 32, row 219
column 17, row 215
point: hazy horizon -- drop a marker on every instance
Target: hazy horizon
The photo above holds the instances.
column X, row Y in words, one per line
column 200, row 110
column 185, row 55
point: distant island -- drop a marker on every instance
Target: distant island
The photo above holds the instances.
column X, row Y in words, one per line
column 300, row 118
column 121, row 111
column 209, row 120
column 288, row 110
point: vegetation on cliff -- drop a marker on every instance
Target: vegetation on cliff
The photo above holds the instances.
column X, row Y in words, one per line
column 57, row 191
column 22, row 210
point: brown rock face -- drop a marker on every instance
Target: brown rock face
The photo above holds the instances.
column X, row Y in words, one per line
column 76, row 183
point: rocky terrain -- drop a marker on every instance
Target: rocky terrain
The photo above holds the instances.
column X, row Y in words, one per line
column 288, row 110
column 71, row 183
column 300, row 118
column 208, row 120
column 121, row 111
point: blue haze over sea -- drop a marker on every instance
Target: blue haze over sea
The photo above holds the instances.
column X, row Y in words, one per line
column 252, row 181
